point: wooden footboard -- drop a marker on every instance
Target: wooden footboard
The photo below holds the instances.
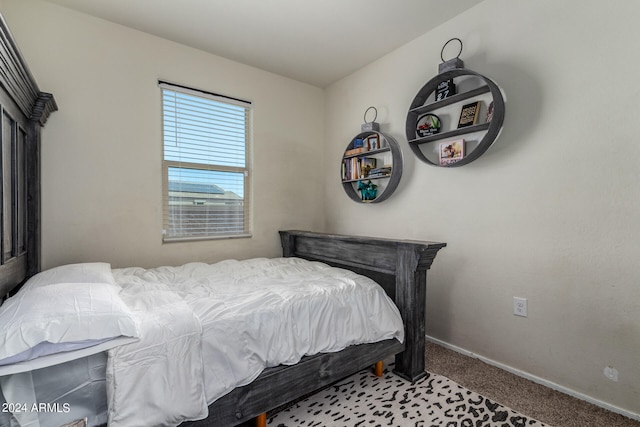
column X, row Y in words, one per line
column 399, row 266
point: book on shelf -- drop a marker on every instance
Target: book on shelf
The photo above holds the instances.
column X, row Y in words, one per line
column 351, row 169
column 469, row 114
column 347, row 169
column 355, row 151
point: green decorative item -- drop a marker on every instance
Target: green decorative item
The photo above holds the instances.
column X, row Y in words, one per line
column 368, row 190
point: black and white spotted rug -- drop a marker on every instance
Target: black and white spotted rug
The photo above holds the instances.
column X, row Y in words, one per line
column 366, row 400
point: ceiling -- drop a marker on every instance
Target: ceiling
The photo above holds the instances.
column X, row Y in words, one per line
column 316, row 42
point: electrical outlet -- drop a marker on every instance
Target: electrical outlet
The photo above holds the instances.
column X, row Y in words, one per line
column 520, row 306
column 611, row 373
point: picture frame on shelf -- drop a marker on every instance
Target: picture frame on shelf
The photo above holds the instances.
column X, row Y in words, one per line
column 373, row 143
column 450, row 152
column 366, row 165
column 469, row 114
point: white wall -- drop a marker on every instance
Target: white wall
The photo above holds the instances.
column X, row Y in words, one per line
column 101, row 168
column 550, row 213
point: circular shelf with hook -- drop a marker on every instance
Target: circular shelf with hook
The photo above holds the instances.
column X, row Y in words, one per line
column 371, row 164
column 470, row 110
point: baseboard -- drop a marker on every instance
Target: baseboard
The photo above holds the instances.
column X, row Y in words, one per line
column 538, row 380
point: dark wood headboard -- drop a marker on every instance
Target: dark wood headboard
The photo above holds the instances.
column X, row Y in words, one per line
column 24, row 110
column 399, row 266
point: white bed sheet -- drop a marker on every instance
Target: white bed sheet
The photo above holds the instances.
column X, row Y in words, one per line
column 245, row 316
column 62, row 357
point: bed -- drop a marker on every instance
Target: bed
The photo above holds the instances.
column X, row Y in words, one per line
column 399, row 267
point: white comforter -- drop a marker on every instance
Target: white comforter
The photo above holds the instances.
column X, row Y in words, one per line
column 206, row 329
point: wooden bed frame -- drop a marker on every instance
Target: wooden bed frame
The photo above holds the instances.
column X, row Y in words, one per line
column 400, row 266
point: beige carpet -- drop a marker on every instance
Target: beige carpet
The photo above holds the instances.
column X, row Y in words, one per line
column 526, row 397
column 529, row 398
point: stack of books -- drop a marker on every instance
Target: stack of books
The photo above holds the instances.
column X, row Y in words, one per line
column 379, row 172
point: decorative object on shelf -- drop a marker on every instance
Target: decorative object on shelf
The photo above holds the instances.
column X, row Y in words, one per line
column 469, row 114
column 428, row 124
column 368, row 190
column 372, row 156
column 445, row 89
column 470, row 91
column 489, row 112
column 451, row 152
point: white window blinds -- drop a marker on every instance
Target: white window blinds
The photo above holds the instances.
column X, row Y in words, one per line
column 205, row 165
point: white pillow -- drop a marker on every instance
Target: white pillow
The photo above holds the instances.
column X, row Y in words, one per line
column 62, row 313
column 88, row 272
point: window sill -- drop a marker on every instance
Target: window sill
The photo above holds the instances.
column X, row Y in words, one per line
column 195, row 239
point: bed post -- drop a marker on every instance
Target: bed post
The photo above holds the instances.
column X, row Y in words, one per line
column 43, row 106
column 287, row 241
column 411, row 297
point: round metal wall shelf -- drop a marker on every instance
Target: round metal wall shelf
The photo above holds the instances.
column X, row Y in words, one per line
column 386, row 143
column 419, row 107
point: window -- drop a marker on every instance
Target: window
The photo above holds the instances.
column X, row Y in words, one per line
column 205, row 165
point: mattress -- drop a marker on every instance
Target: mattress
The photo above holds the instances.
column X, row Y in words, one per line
column 208, row 328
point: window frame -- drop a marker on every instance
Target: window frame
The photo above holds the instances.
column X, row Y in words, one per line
column 246, row 170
